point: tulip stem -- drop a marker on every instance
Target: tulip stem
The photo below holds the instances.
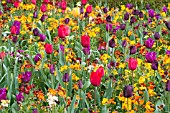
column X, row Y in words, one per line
column 132, row 78
column 95, row 89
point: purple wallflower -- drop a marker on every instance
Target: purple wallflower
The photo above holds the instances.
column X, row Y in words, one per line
column 168, row 85
column 149, row 43
column 150, row 56
column 128, row 91
column 112, row 43
column 37, row 57
column 26, row 76
column 130, row 6
column 151, row 13
column 141, row 14
column 164, row 9
column 133, row 50
column 66, row 77
column 105, row 10
column 156, row 35
column 52, row 68
column 154, row 65
column 132, row 20
column 109, row 27
column 86, row 50
column 135, row 12
column 42, row 37
column 3, row 94
column 19, row 97
column 157, row 16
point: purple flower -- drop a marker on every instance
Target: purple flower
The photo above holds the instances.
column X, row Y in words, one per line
column 112, row 43
column 147, row 6
column 135, row 12
column 17, row 24
column 43, row 17
column 66, row 77
column 19, row 97
column 145, row 33
column 149, row 43
column 155, row 65
column 36, row 32
column 62, row 48
column 130, row 6
column 86, row 15
column 14, row 39
column 42, row 37
column 109, row 27
column 141, row 15
column 132, row 20
column 66, row 20
column 167, row 25
column 80, row 84
column 168, row 85
column 128, row 91
column 52, row 68
column 111, row 64
column 3, row 94
column 133, row 50
column 122, row 26
column 164, row 9
column 151, row 13
column 109, row 18
column 81, row 10
column 35, row 15
column 124, row 43
column 126, row 16
column 26, row 76
column 168, row 52
column 157, row 16
column 150, row 56
column 34, row 111
column 37, row 57
column 86, row 50
column 105, row 10
column 156, row 35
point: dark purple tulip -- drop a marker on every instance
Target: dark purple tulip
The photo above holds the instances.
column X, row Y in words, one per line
column 151, row 13
column 145, row 33
column 62, row 48
column 164, row 9
column 52, row 68
column 167, row 25
column 8, row 1
column 157, row 16
column 35, row 15
column 67, row 20
column 149, row 20
column 149, row 43
column 124, row 43
column 126, row 16
column 19, row 97
column 168, row 52
column 130, row 6
column 80, row 84
column 116, row 29
column 20, row 51
column 3, row 94
column 132, row 20
column 43, row 17
column 112, row 43
column 26, row 76
column 36, row 32
column 86, row 50
column 122, row 26
column 66, row 77
column 17, row 24
column 168, row 85
column 105, row 10
column 155, row 65
column 156, row 35
column 42, row 37
column 109, row 18
column 86, row 15
column 34, row 111
column 81, row 10
column 147, row 6
column 128, row 91
column 109, row 27
column 0, row 12
column 150, row 56
column 111, row 64
column 133, row 50
column 140, row 14
column 37, row 57
column 136, row 12
column 14, row 39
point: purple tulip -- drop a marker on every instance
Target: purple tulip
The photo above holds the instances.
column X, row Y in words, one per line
column 168, row 52
column 145, row 33
column 86, row 50
column 34, row 111
column 8, row 1
column 168, row 85
column 111, row 64
column 86, row 15
column 147, row 6
column 42, row 37
column 133, row 50
column 66, row 77
column 149, row 43
column 164, row 9
column 3, row 95
column 52, row 68
column 36, row 32
column 130, row 6
column 62, row 48
column 124, row 43
column 19, row 97
column 37, row 57
column 167, row 25
column 151, row 13
column 128, row 91
column 126, row 16
column 122, row 26
column 135, row 12
column 35, row 15
column 156, row 35
column 112, row 43
column 26, row 76
column 109, row 18
column 81, row 10
column 141, row 15
column 150, row 56
column 17, row 24
column 132, row 20
column 14, row 39
column 105, row 10
column 80, row 84
column 109, row 27
column 43, row 17
column 67, row 20
column 155, row 65
column 157, row 16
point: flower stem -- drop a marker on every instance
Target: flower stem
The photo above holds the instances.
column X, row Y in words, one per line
column 95, row 89
column 132, row 78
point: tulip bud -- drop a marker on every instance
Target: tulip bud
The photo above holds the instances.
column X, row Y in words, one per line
column 141, row 15
column 89, row 9
column 133, row 50
column 147, row 6
column 52, row 68
column 80, row 84
column 85, row 41
column 149, row 43
column 168, row 85
column 42, row 37
column 128, row 91
column 109, row 27
column 66, row 77
column 43, row 8
column 126, row 16
column 109, row 18
column 150, row 56
column 167, row 25
column 49, row 48
column 156, row 35
column 2, row 55
column 151, row 13
column 112, row 43
column 124, row 43
column 36, row 32
column 35, row 15
column 66, row 20
column 155, row 65
column 83, row 2
column 86, row 50
column 14, row 39
column 34, row 111
column 105, row 10
column 37, row 57
column 122, row 26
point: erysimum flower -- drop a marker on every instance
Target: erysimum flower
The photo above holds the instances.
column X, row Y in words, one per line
column 3, row 94
column 149, row 43
column 26, row 77
column 63, row 31
column 19, row 97
column 150, row 56
column 133, row 63
column 95, row 77
column 128, row 91
column 49, row 48
column 85, row 41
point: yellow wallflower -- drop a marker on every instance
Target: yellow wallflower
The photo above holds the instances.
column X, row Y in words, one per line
column 104, row 101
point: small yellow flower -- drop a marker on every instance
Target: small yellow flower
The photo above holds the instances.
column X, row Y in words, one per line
column 104, row 101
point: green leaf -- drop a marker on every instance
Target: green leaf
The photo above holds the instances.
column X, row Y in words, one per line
column 71, row 108
column 70, row 86
column 85, row 111
column 146, row 96
column 61, row 58
column 59, row 78
column 86, row 85
column 108, row 92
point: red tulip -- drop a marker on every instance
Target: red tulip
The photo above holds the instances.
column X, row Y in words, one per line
column 132, row 63
column 43, row 8
column 83, row 2
column 63, row 31
column 85, row 41
column 63, row 5
column 33, row 2
column 89, row 9
column 46, row 1
column 2, row 55
column 13, row 29
column 95, row 77
column 49, row 48
column 16, row 4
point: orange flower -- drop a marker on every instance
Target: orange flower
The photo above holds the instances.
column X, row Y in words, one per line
column 52, row 91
